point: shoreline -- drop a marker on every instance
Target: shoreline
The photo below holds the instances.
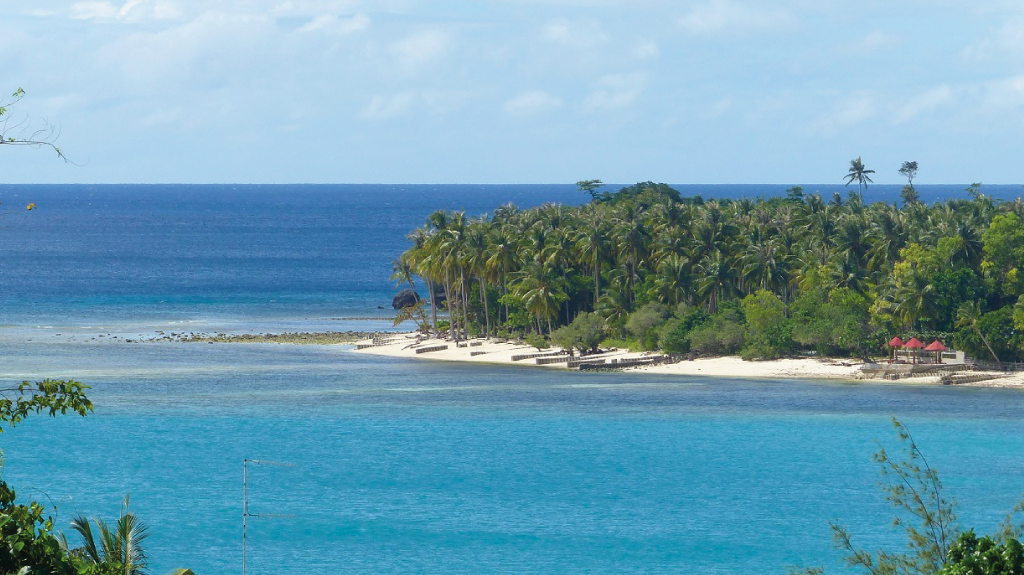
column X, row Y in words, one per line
column 405, row 345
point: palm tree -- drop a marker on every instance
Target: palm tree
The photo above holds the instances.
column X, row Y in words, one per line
column 968, row 316
column 119, row 546
column 717, row 280
column 766, row 265
column 914, row 300
column 421, row 259
column 672, row 279
column 402, row 272
column 633, row 237
column 859, row 174
column 592, row 243
column 475, row 261
column 540, row 293
column 501, row 259
column 888, row 234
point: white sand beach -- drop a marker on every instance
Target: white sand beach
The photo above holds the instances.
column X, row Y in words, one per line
column 411, row 345
column 493, row 351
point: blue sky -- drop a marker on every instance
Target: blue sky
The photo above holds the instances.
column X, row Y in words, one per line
column 516, row 91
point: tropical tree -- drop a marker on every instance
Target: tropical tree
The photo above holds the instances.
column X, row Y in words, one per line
column 901, row 266
column 28, row 543
column 540, row 293
column 593, row 241
column 909, row 171
column 969, row 315
column 860, row 174
column 118, row 546
column 590, row 187
column 925, row 515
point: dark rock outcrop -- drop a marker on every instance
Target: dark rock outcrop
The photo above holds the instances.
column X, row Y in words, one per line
column 405, row 298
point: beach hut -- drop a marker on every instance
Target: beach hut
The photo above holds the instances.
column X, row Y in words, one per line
column 895, row 343
column 938, row 348
column 913, row 344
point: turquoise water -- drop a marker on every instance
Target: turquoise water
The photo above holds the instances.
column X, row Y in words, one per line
column 424, row 467
column 416, row 466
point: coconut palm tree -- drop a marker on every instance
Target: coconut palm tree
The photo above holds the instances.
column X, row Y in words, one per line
column 672, row 279
column 913, row 300
column 419, row 258
column 402, row 272
column 119, row 545
column 860, row 174
column 540, row 292
column 717, row 279
column 766, row 265
column 968, row 316
column 475, row 262
column 632, row 236
column 593, row 243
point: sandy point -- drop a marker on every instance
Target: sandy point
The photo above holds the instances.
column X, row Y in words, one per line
column 410, row 345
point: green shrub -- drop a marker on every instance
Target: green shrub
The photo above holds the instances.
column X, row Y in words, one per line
column 767, row 334
column 538, row 341
column 621, row 343
column 584, row 333
column 674, row 335
column 722, row 334
column 643, row 321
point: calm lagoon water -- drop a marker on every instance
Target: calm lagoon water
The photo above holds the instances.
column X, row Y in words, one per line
column 413, row 466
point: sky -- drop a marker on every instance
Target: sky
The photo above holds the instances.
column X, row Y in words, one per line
column 514, row 91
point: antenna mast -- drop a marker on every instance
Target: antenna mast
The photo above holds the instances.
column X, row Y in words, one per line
column 245, row 500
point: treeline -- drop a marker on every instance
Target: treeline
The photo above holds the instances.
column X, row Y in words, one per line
column 762, row 277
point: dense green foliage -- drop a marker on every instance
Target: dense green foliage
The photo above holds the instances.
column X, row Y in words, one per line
column 794, row 274
column 52, row 396
column 971, row 555
column 27, row 541
column 583, row 334
column 118, row 546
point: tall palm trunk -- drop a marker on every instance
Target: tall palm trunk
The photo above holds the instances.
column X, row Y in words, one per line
column 487, row 312
column 990, row 350
column 433, row 305
column 452, row 302
column 465, row 305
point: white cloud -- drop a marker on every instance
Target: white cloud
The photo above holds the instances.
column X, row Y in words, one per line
column 575, row 34
column 874, row 42
column 166, row 11
column 646, row 49
column 131, row 10
column 719, row 16
column 312, row 8
column 531, row 103
column 93, row 10
column 924, row 103
column 615, row 91
column 211, row 50
column 1004, row 95
column 42, row 13
column 1008, row 40
column 387, row 107
column 332, row 23
column 849, row 112
column 421, row 48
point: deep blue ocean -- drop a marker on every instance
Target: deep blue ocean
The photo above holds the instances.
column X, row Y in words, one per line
column 414, row 466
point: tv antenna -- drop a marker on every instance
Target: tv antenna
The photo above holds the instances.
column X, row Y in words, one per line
column 245, row 500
